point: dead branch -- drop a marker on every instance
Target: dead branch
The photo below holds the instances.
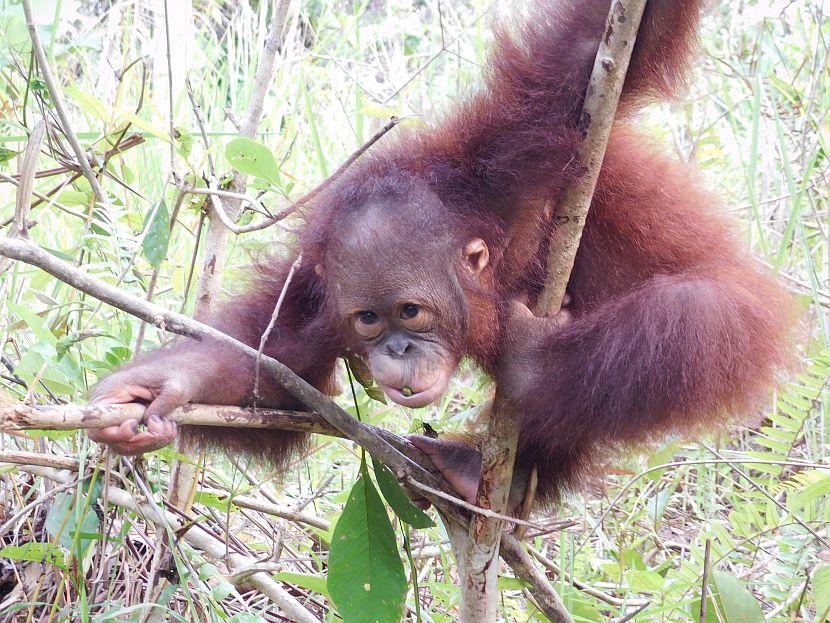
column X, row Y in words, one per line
column 21, row 417
column 199, row 538
column 23, row 201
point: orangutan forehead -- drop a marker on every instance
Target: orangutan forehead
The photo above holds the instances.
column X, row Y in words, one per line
column 389, row 233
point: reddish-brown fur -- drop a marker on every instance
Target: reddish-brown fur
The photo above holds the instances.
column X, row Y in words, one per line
column 674, row 326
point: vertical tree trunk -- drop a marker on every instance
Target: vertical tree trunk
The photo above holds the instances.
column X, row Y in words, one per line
column 478, row 565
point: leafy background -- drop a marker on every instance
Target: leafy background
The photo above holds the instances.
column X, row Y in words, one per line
column 755, row 121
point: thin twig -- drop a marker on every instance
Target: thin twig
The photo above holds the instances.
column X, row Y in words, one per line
column 57, row 102
column 200, row 121
column 299, row 203
column 199, row 537
column 169, row 89
column 630, row 616
column 766, row 494
column 213, row 191
column 271, row 323
column 543, row 592
column 23, row 200
column 704, row 582
column 216, row 240
column 11, row 180
column 588, row 590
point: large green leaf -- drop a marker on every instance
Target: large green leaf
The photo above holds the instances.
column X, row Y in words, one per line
column 252, row 158
column 158, row 235
column 88, row 102
column 735, row 602
column 62, row 521
column 366, row 578
column 312, row 582
column 398, row 500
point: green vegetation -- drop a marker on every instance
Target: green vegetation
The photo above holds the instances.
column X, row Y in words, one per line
column 755, row 120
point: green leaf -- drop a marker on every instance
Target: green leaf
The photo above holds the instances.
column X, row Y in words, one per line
column 375, row 393
column 62, row 521
column 735, row 602
column 184, row 142
column 222, row 590
column 252, row 158
column 89, row 103
column 35, row 323
column 821, row 592
column 6, row 154
column 158, row 235
column 41, row 361
column 212, row 500
column 316, row 583
column 366, row 577
column 360, row 371
column 813, row 491
column 660, row 457
column 398, row 500
column 48, row 553
column 506, row 583
column 645, row 581
column 147, row 126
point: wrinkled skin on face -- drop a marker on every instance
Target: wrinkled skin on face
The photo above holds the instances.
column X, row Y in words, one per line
column 402, row 308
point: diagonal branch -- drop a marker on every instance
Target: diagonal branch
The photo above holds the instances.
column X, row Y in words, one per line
column 402, row 458
column 57, row 101
column 479, row 579
column 310, row 396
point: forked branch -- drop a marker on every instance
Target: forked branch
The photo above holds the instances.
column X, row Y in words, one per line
column 479, row 579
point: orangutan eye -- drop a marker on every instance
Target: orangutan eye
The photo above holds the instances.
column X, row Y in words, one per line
column 409, row 311
column 367, row 317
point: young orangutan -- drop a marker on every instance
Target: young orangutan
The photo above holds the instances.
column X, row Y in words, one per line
column 433, row 249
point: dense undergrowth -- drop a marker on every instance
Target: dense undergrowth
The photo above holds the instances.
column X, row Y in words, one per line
column 755, row 121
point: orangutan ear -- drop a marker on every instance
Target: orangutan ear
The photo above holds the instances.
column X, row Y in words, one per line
column 318, row 268
column 476, row 255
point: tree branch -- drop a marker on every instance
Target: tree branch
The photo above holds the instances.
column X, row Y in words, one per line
column 171, row 321
column 57, row 101
column 199, row 538
column 479, row 580
column 216, row 239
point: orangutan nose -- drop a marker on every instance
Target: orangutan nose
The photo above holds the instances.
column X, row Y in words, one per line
column 400, row 346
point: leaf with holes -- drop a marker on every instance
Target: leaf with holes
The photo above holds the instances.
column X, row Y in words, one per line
column 252, row 158
column 46, row 553
column 366, row 578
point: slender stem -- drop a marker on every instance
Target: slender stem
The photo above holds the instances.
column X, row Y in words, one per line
column 57, row 102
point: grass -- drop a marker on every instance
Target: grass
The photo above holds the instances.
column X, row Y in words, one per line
column 755, row 121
